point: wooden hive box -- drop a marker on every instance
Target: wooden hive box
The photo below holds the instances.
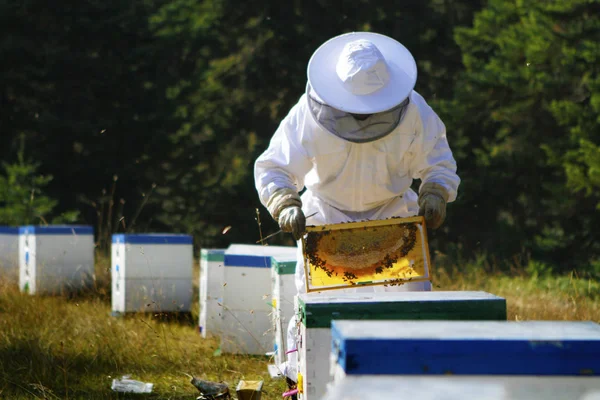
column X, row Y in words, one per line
column 55, row 259
column 558, row 348
column 151, row 273
column 317, row 311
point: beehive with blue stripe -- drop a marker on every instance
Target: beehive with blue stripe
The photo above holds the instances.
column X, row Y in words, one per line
column 55, row 259
column 247, row 298
column 152, row 272
column 558, row 348
column 317, row 311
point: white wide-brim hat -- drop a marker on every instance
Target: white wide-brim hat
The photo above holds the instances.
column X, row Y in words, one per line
column 362, row 73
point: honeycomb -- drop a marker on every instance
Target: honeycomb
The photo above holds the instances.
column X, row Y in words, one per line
column 381, row 252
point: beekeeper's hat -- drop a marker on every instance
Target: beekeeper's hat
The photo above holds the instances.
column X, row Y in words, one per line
column 362, row 72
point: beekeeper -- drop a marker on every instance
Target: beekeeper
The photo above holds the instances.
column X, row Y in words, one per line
column 356, row 140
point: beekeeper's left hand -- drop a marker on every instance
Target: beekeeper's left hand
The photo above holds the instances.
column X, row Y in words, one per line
column 432, row 204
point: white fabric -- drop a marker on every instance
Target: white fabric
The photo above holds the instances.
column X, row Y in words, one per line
column 362, row 68
column 362, row 72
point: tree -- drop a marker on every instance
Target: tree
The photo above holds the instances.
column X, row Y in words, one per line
column 22, row 197
column 527, row 109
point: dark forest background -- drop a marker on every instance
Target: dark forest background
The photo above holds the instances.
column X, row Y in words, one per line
column 147, row 115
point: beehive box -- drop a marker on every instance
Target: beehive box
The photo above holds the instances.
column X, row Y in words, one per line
column 465, row 348
column 212, row 278
column 317, row 311
column 386, row 387
column 9, row 253
column 247, row 306
column 283, row 290
column 151, row 273
column 380, row 252
column 55, row 259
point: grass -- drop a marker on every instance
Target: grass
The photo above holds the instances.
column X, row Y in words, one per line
column 71, row 348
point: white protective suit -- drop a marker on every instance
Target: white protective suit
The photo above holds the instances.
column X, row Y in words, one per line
column 348, row 181
column 356, row 167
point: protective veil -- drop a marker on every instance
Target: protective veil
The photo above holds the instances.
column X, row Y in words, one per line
column 344, row 125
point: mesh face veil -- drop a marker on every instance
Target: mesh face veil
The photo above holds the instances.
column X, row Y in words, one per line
column 345, row 126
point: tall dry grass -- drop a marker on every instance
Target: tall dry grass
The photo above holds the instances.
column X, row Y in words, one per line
column 72, row 348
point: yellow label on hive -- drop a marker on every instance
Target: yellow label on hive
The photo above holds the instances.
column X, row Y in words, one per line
column 381, row 252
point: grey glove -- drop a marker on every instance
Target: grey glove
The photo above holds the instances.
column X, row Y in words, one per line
column 432, row 204
column 292, row 219
column 285, row 208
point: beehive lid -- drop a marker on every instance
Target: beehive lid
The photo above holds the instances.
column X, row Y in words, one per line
column 248, row 255
column 467, row 348
column 9, row 230
column 464, row 388
column 380, row 252
column 152, row 238
column 56, row 230
column 319, row 309
column 212, row 255
column 284, row 264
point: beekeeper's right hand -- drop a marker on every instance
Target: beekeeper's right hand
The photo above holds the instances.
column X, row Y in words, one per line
column 292, row 219
column 285, row 208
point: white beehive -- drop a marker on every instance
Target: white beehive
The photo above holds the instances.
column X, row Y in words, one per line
column 9, row 253
column 386, row 387
column 247, row 306
column 55, row 259
column 317, row 311
column 557, row 348
column 283, row 292
column 212, row 278
column 151, row 273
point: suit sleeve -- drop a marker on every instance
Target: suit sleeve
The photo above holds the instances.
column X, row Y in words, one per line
column 284, row 164
column 433, row 161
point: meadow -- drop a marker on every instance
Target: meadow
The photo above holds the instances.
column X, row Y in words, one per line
column 70, row 347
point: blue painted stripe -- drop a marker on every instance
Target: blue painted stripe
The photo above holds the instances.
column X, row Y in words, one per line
column 9, row 230
column 157, row 238
column 478, row 357
column 232, row 260
column 57, row 230
column 358, row 356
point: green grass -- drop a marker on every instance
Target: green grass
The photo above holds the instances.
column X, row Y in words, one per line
column 59, row 347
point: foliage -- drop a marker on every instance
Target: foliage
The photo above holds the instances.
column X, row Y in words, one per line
column 177, row 99
column 526, row 111
column 22, row 196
